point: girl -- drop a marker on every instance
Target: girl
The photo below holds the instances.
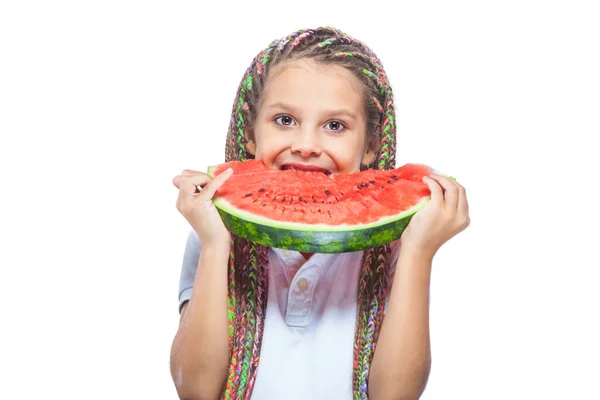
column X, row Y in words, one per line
column 324, row 326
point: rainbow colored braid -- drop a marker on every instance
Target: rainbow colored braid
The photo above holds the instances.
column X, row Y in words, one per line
column 248, row 262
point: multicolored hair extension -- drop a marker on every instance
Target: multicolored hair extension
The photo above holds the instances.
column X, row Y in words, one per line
column 248, row 262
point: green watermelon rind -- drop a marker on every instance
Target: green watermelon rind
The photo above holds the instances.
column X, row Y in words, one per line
column 310, row 238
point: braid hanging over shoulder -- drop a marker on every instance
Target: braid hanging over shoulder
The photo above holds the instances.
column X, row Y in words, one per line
column 248, row 262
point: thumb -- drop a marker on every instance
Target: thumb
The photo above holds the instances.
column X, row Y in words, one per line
column 214, row 185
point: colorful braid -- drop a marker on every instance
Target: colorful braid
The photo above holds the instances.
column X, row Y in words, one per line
column 359, row 377
column 231, row 304
column 299, row 38
column 248, row 262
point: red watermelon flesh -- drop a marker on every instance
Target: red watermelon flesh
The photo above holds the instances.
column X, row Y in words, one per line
column 314, row 198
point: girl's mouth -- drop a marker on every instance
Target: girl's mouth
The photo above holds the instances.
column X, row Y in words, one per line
column 304, row 168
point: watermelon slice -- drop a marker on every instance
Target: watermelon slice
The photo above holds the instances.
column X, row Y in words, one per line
column 316, row 213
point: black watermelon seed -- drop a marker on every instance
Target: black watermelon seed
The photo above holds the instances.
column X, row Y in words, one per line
column 336, row 199
column 248, row 195
column 255, row 200
column 261, row 190
column 327, row 192
column 389, row 181
column 394, row 177
column 372, row 182
column 264, row 204
column 300, row 198
column 314, row 200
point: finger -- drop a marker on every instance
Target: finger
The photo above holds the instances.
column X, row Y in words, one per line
column 211, row 188
column 177, row 181
column 451, row 191
column 436, row 190
column 185, row 173
column 190, row 183
column 463, row 204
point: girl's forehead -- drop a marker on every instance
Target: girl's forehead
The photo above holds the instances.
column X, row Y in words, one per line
column 311, row 67
column 309, row 83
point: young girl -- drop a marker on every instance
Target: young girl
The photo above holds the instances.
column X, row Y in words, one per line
column 265, row 323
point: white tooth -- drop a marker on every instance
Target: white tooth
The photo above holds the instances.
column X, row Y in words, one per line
column 292, row 168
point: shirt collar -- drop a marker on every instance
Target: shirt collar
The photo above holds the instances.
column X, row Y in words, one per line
column 292, row 261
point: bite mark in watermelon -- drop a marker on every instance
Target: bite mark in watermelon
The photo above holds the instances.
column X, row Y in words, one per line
column 316, row 213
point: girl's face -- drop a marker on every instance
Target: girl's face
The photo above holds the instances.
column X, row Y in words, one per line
column 311, row 117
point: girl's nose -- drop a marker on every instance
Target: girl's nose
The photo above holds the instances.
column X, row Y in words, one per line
column 306, row 144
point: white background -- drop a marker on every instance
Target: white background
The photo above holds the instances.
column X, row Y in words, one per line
column 103, row 103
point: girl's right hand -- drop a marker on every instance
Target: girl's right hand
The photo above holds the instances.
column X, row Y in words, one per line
column 196, row 191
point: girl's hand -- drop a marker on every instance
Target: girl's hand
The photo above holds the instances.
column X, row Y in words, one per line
column 196, row 191
column 443, row 217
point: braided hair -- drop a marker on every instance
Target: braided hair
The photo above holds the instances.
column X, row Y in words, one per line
column 248, row 262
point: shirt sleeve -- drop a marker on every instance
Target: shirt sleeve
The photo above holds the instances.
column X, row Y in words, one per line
column 395, row 253
column 191, row 256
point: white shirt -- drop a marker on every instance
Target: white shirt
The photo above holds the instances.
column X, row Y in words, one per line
column 307, row 346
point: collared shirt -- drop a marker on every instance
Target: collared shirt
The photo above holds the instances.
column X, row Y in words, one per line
column 307, row 346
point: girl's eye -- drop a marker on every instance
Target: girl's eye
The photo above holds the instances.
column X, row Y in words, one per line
column 336, row 126
column 284, row 120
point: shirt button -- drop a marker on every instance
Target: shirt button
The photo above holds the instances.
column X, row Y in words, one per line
column 302, row 284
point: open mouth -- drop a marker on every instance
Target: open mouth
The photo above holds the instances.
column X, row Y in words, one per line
column 307, row 169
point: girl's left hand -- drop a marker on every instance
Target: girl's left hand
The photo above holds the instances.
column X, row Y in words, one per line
column 443, row 217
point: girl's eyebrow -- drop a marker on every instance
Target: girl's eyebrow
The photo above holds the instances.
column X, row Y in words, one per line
column 327, row 113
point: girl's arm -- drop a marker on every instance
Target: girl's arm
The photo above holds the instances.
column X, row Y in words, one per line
column 200, row 351
column 402, row 358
